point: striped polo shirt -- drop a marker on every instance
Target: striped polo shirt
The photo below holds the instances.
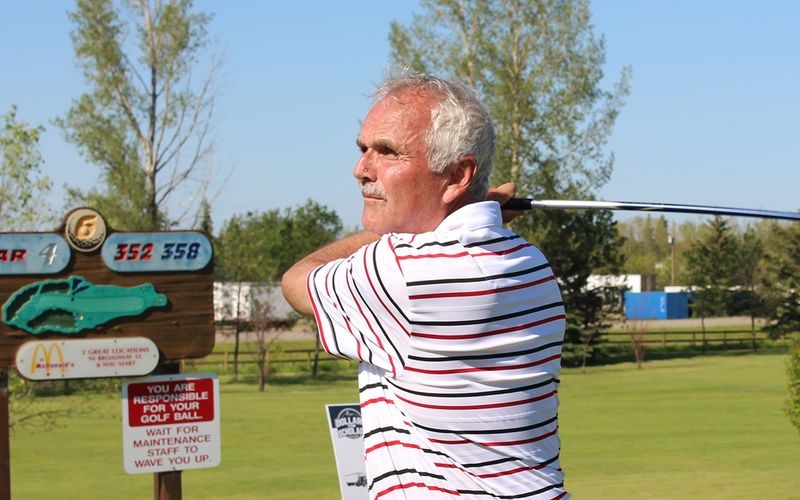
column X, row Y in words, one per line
column 459, row 335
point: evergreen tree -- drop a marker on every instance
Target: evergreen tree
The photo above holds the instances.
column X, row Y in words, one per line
column 712, row 262
column 782, row 280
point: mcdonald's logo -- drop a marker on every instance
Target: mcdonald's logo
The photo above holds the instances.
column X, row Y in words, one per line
column 43, row 358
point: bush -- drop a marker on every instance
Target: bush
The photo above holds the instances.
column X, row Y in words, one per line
column 793, row 370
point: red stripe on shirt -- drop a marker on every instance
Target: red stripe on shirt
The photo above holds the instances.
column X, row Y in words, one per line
column 521, row 441
column 485, row 368
column 369, row 324
column 449, row 441
column 490, row 474
column 376, row 295
column 376, row 400
column 439, row 336
column 503, row 252
column 478, row 407
column 497, row 443
column 481, row 292
column 416, row 485
column 464, row 254
column 387, row 444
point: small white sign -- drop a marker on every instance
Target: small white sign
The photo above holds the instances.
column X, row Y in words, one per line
column 347, row 435
column 87, row 358
column 171, row 422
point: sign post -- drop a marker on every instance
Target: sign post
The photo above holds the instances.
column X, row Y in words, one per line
column 171, row 423
column 5, row 445
column 85, row 301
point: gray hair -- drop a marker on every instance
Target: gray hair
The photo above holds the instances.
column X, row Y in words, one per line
column 460, row 125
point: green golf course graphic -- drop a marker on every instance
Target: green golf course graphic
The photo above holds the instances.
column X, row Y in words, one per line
column 74, row 304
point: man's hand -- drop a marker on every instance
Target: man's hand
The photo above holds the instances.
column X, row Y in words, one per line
column 502, row 194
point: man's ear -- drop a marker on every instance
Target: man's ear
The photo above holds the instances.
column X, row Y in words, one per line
column 459, row 178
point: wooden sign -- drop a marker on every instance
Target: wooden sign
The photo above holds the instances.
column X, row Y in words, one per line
column 85, row 281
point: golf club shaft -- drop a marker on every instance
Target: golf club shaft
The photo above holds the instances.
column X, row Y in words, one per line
column 529, row 204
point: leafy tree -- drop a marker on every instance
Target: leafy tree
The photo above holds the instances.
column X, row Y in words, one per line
column 23, row 189
column 145, row 120
column 782, row 279
column 260, row 247
column 712, row 262
column 537, row 66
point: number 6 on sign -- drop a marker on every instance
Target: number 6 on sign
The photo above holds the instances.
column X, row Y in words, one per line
column 157, row 252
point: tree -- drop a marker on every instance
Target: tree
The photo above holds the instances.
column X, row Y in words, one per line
column 712, row 262
column 782, row 279
column 749, row 270
column 537, row 66
column 260, row 247
column 793, row 370
column 646, row 247
column 145, row 121
column 23, row 189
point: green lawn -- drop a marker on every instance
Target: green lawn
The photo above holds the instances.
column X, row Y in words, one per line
column 709, row 427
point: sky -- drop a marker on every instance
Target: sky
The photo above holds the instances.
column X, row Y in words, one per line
column 713, row 117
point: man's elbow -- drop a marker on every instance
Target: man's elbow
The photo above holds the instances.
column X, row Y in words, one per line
column 295, row 290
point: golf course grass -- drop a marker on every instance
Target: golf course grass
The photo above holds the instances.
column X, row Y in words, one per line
column 705, row 427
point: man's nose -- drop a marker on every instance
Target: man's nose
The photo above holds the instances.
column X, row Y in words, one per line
column 363, row 169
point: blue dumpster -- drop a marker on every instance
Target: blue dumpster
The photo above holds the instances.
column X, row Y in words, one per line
column 656, row 305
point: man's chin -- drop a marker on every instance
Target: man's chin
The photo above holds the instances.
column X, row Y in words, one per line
column 373, row 224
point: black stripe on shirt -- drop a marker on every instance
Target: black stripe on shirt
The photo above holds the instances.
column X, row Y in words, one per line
column 489, row 320
column 454, row 242
column 478, row 279
column 386, row 429
column 376, row 321
column 324, row 314
column 507, row 460
column 353, row 330
column 510, row 497
column 403, row 472
column 388, row 295
column 489, row 431
column 487, row 356
column 537, row 385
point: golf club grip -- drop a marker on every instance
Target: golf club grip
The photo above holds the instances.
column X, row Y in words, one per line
column 517, row 204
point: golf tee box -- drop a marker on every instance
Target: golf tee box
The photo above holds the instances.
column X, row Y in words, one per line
column 87, row 282
column 171, row 423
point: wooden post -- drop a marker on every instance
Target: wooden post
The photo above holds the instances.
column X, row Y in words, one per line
column 5, row 442
column 167, row 485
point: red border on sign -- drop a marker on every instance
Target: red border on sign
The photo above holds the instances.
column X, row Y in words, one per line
column 171, row 402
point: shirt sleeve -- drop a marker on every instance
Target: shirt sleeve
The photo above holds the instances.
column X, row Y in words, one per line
column 358, row 304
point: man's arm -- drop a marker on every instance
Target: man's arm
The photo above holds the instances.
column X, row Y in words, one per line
column 294, row 280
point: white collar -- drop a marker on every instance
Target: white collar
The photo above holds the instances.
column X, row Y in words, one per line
column 474, row 215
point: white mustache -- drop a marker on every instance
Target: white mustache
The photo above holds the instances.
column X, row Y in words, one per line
column 372, row 190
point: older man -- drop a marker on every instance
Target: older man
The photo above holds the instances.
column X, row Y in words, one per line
column 457, row 321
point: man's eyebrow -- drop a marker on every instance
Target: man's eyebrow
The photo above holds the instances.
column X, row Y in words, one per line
column 383, row 144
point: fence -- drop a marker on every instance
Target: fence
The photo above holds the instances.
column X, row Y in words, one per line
column 738, row 338
column 279, row 357
column 288, row 360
